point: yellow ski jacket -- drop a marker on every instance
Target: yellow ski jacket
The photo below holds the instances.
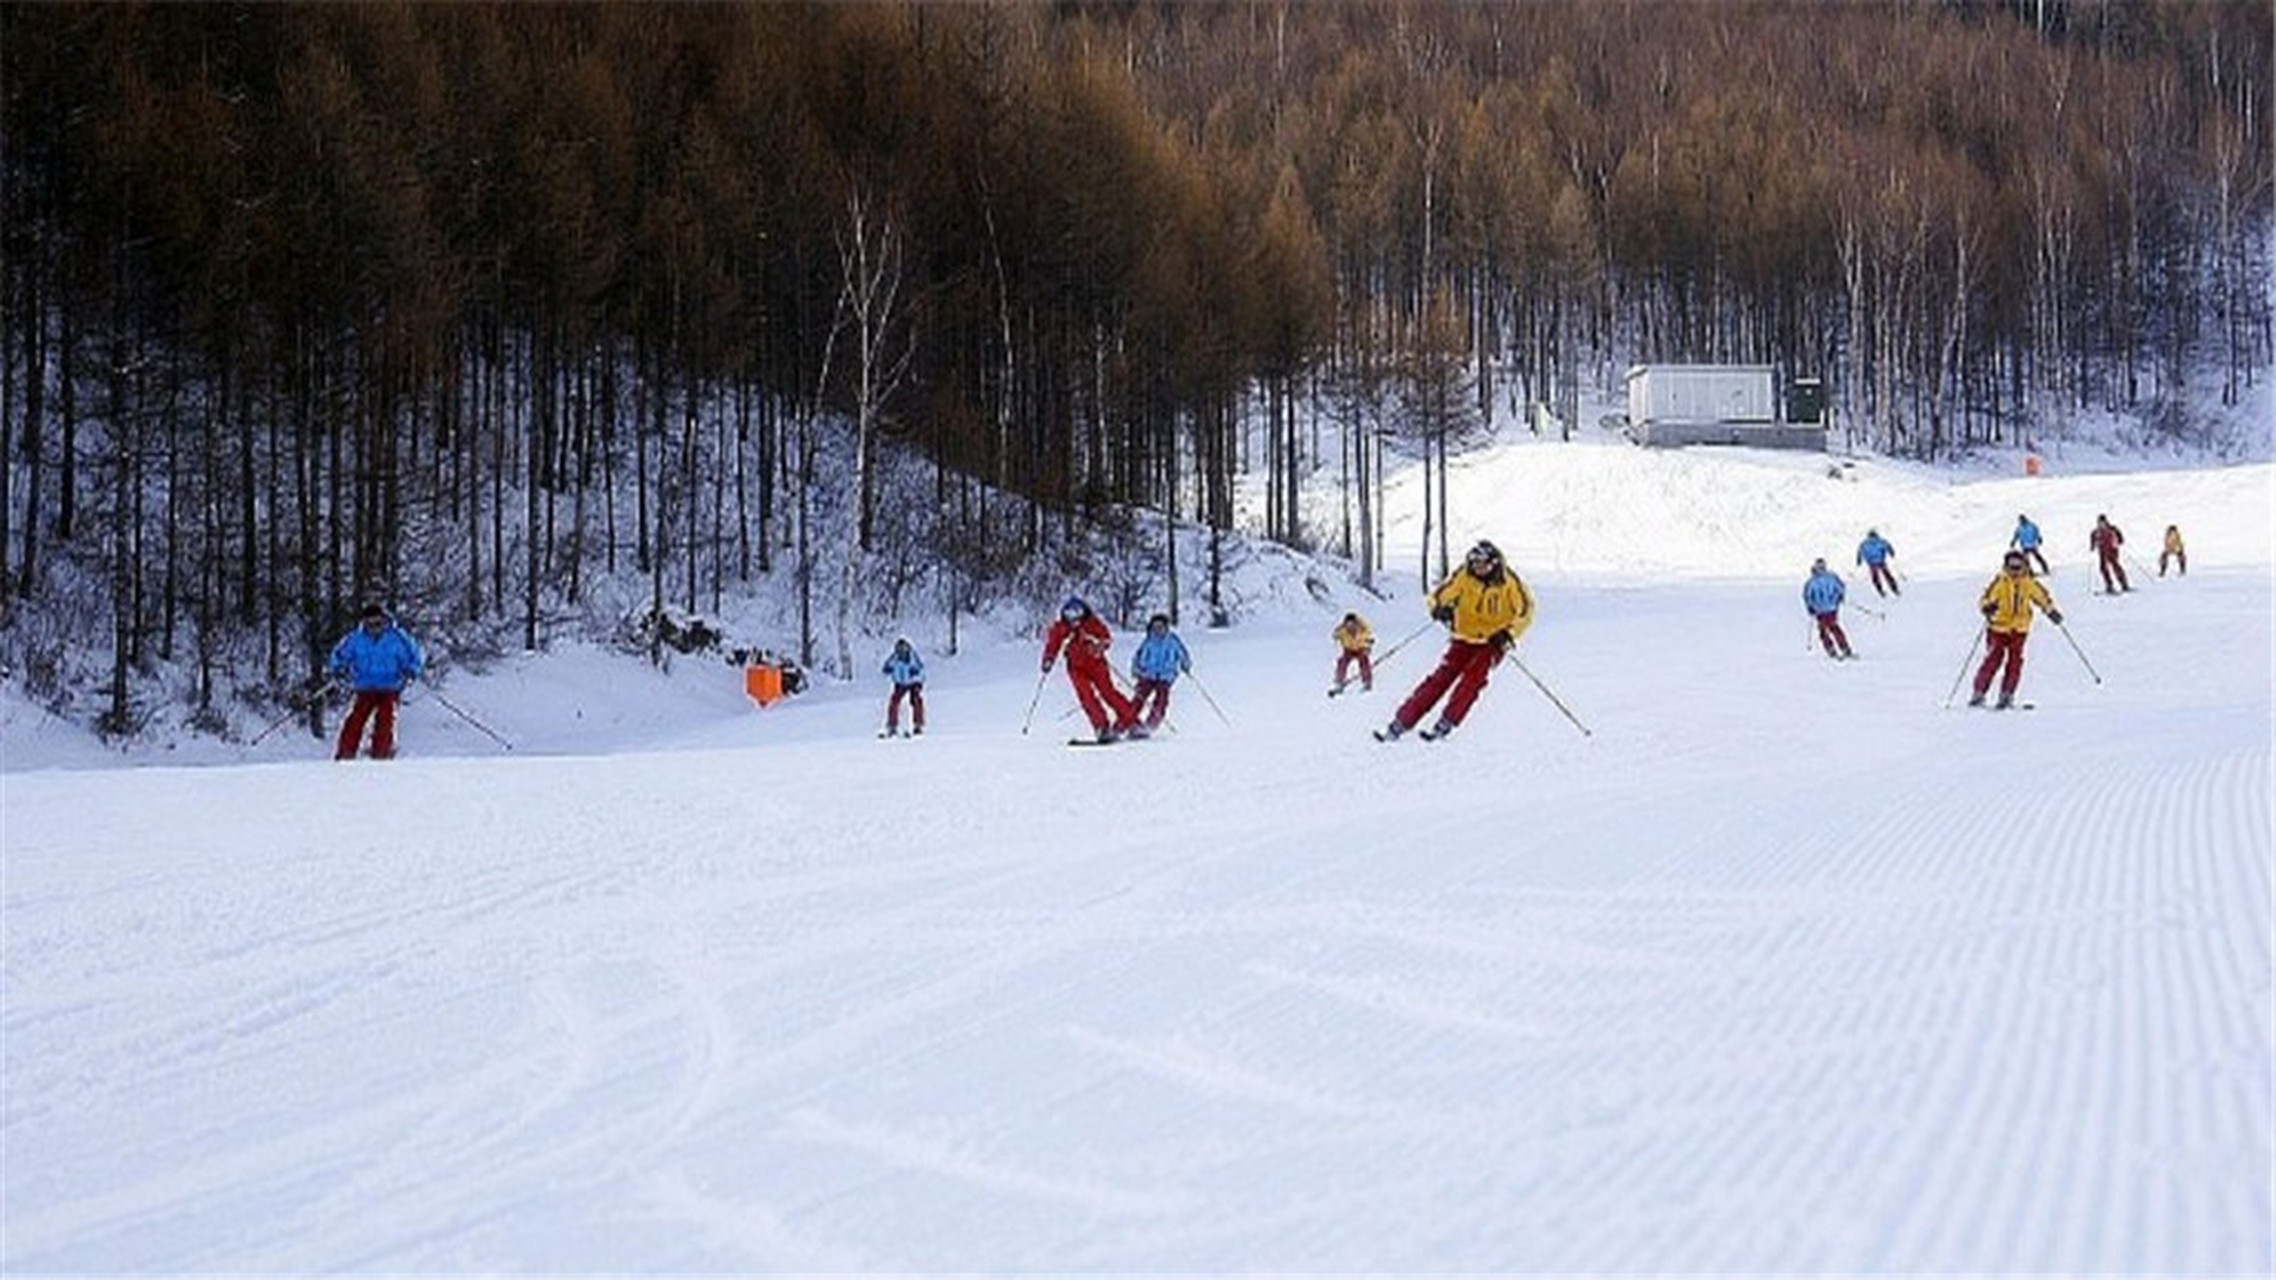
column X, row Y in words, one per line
column 1354, row 636
column 1482, row 607
column 2010, row 597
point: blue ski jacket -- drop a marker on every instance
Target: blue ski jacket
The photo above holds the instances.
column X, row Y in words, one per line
column 2026, row 536
column 374, row 660
column 1822, row 593
column 1874, row 550
column 905, row 667
column 1160, row 657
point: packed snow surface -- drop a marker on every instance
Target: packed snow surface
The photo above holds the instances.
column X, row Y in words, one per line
column 1783, row 965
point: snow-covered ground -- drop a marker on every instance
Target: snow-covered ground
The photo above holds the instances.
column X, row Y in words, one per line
column 1783, row 966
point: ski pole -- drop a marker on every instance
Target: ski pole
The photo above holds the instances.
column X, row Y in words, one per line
column 1869, row 612
column 1204, row 691
column 1554, row 700
column 2080, row 652
column 1385, row 656
column 462, row 714
column 1965, row 663
column 1040, row 677
column 315, row 696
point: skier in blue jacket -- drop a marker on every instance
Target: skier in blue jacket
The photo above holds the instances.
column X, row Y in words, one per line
column 2027, row 539
column 378, row 661
column 1160, row 660
column 908, row 673
column 1875, row 553
column 1822, row 596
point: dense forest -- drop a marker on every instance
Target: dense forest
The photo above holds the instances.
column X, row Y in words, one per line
column 469, row 306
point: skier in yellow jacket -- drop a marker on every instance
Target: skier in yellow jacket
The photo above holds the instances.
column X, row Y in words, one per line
column 1354, row 644
column 2006, row 605
column 1485, row 608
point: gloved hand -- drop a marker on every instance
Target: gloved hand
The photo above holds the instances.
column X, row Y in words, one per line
column 1990, row 609
column 1501, row 640
column 1442, row 613
column 1047, row 667
column 2055, row 616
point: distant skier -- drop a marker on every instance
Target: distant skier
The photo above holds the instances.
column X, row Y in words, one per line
column 1485, row 608
column 908, row 672
column 2006, row 605
column 1161, row 658
column 1355, row 645
column 1822, row 595
column 2174, row 551
column 1875, row 553
column 1085, row 638
column 2106, row 540
column 377, row 660
column 2027, row 539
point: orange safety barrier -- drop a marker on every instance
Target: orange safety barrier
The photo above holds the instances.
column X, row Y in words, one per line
column 762, row 682
column 2031, row 464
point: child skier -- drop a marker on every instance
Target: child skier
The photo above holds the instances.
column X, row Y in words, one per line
column 1085, row 638
column 1485, row 608
column 2006, row 605
column 1160, row 660
column 1875, row 553
column 1822, row 595
column 2174, row 551
column 2026, row 539
column 1355, row 645
column 908, row 673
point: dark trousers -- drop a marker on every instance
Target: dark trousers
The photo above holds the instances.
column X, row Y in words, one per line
column 1155, row 692
column 2112, row 568
column 1830, row 634
column 916, row 696
column 1883, row 574
column 1463, row 670
column 377, row 706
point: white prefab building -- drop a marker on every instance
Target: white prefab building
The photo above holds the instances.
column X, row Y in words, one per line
column 1678, row 404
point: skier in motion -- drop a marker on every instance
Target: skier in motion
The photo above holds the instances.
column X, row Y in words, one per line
column 1822, row 596
column 1485, row 608
column 1084, row 637
column 2105, row 542
column 378, row 660
column 2006, row 605
column 1875, row 553
column 1160, row 660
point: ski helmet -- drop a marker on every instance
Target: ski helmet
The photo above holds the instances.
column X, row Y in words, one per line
column 1074, row 608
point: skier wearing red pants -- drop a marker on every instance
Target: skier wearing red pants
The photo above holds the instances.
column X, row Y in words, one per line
column 1486, row 608
column 2006, row 605
column 1085, row 638
column 378, row 661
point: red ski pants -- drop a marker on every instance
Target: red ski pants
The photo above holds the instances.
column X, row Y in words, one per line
column 1831, row 637
column 377, row 706
column 2110, row 567
column 1366, row 668
column 916, row 695
column 1093, row 683
column 1999, row 647
column 1463, row 670
column 1157, row 692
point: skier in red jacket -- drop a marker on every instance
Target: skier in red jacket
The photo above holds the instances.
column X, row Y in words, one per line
column 2105, row 540
column 1085, row 638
